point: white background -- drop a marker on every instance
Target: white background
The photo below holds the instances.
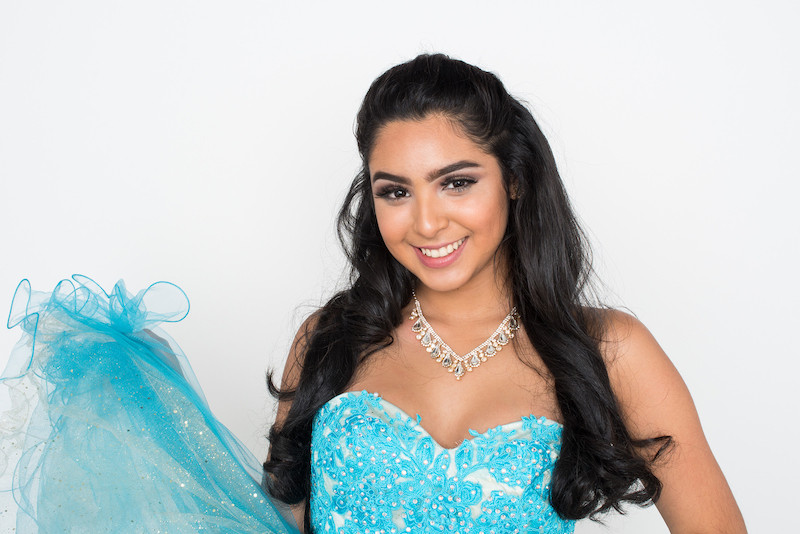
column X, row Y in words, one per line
column 209, row 144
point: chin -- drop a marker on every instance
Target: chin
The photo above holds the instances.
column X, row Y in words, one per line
column 442, row 284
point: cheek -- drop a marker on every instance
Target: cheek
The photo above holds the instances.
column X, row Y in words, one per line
column 490, row 215
column 390, row 225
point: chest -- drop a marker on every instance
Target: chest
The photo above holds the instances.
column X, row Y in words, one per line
column 510, row 385
column 376, row 469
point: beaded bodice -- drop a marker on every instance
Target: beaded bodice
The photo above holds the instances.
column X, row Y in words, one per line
column 374, row 469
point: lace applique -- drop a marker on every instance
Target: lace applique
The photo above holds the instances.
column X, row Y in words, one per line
column 376, row 470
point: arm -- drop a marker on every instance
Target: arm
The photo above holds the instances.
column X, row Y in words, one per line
column 291, row 373
column 655, row 402
column 289, row 381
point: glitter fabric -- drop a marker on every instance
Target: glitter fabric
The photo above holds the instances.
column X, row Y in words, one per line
column 107, row 429
column 376, row 470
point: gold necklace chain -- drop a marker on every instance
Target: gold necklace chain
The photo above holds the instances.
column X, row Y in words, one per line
column 454, row 363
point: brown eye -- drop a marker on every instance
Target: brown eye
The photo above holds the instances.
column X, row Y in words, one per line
column 392, row 193
column 458, row 184
column 398, row 193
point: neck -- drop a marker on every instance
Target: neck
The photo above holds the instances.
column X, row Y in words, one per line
column 480, row 300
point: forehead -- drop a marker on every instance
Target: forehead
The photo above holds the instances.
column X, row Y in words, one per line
column 434, row 141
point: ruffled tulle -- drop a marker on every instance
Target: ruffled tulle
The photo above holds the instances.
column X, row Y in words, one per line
column 106, row 428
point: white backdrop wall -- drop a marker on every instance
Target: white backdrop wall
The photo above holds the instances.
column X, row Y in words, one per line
column 209, row 143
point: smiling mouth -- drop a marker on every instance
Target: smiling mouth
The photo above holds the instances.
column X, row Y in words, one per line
column 443, row 251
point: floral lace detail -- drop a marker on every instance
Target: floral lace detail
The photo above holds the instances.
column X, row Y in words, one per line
column 374, row 469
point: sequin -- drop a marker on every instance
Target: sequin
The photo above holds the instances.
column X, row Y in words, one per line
column 123, row 440
column 427, row 488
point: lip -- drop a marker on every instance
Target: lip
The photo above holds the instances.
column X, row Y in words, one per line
column 439, row 263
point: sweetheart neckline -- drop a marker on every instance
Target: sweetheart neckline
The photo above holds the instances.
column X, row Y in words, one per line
column 541, row 420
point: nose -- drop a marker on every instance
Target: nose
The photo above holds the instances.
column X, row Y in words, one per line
column 430, row 216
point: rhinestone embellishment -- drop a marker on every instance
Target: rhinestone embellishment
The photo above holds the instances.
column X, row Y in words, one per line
column 454, row 363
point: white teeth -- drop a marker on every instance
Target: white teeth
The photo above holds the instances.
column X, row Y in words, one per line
column 443, row 251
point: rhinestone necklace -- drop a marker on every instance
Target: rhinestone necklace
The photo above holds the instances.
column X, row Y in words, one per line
column 442, row 353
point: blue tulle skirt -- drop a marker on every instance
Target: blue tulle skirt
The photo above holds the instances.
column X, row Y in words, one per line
column 105, row 428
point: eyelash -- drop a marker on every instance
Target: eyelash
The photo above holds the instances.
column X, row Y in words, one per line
column 467, row 182
column 388, row 191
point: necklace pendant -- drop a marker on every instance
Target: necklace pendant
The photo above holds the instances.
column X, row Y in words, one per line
column 474, row 361
column 426, row 339
column 490, row 350
column 416, row 327
column 447, row 362
column 434, row 352
column 459, row 370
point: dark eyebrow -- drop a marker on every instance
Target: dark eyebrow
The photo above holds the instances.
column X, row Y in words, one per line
column 453, row 167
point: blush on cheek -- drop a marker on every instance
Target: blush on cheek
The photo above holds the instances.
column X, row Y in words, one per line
column 387, row 226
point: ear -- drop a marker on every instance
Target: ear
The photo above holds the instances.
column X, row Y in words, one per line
column 513, row 189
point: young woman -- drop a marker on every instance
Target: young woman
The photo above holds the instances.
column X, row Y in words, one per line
column 465, row 382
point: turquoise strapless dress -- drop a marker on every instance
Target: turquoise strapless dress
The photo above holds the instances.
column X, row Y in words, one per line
column 375, row 470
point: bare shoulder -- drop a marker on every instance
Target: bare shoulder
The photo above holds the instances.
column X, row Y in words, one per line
column 294, row 360
column 656, row 402
column 650, row 390
column 626, row 340
column 294, row 364
column 644, row 379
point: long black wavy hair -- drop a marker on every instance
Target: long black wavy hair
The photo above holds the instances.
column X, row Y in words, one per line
column 601, row 466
